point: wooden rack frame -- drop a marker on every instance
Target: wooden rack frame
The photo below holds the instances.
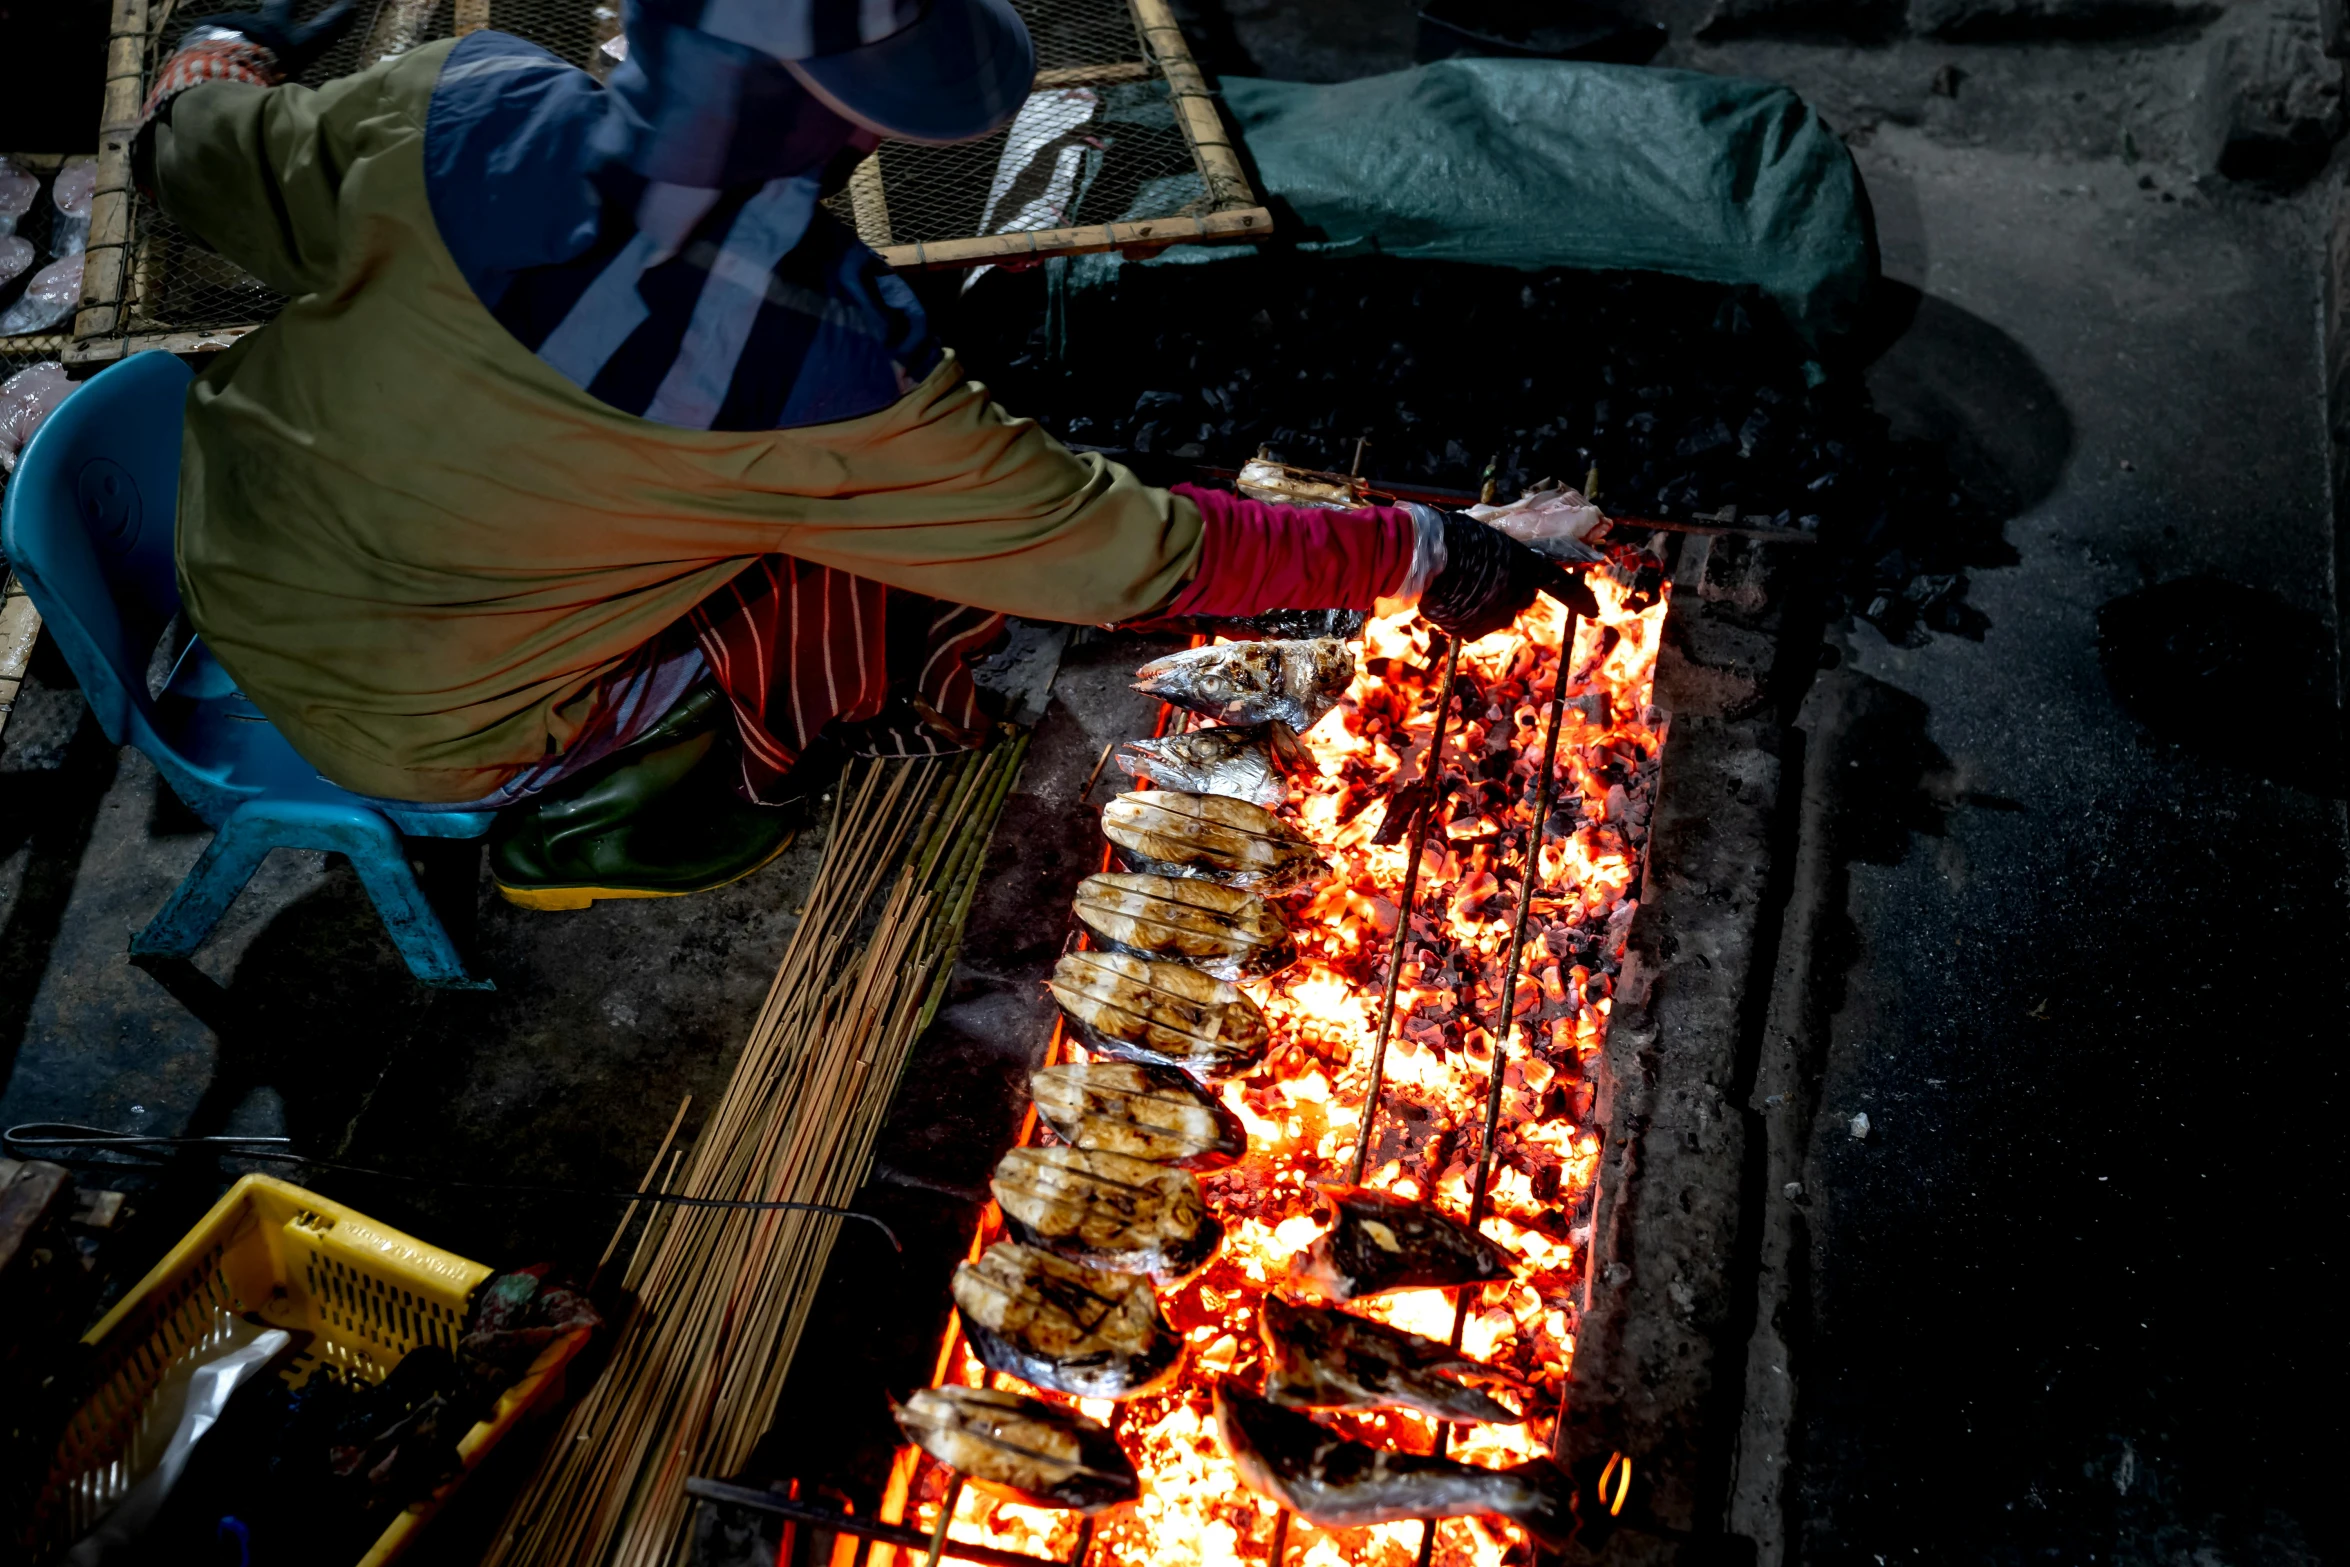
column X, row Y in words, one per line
column 108, row 327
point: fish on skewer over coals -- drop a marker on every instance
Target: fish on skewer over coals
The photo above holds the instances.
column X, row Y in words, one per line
column 1330, row 1480
column 1249, row 762
column 1161, row 1013
column 1216, row 929
column 1249, row 682
column 1106, row 1210
column 1021, row 1447
column 1318, row 1357
column 1149, row 1112
column 1061, row 1325
column 1169, row 832
column 1384, row 1242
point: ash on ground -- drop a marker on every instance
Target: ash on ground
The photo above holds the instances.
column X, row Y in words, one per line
column 1688, row 398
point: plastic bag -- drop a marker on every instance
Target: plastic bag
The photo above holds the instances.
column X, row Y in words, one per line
column 71, row 192
column 26, row 399
column 48, row 299
column 192, row 1405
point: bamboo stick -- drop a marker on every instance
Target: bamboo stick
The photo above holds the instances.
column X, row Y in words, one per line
column 722, row 1297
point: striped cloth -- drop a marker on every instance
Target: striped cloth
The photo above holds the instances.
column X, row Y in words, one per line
column 801, row 649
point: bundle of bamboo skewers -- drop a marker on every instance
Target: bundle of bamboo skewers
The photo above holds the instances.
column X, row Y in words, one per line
column 718, row 1298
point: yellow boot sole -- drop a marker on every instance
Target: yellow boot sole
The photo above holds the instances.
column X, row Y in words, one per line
column 556, row 900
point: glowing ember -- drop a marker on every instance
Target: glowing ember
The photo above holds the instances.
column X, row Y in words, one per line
column 1302, row 1108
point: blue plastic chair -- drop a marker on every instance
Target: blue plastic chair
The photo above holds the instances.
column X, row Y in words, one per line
column 88, row 528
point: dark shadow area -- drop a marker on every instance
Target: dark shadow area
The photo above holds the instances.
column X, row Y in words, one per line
column 54, row 773
column 2182, row 653
column 53, row 105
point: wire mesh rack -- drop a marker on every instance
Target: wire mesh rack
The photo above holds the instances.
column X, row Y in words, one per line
column 1119, row 147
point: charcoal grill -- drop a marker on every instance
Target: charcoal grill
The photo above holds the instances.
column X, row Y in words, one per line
column 1120, row 147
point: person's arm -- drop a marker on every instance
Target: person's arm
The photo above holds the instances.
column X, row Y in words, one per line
column 243, row 161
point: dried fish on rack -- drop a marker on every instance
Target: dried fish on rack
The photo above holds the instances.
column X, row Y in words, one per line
column 1107, row 1210
column 1249, row 682
column 1318, row 1357
column 1340, row 1484
column 1169, row 832
column 1217, row 930
column 1022, row 1448
column 1149, row 1112
column 1244, row 762
column 1061, row 1325
column 1384, row 1242
column 1160, row 1013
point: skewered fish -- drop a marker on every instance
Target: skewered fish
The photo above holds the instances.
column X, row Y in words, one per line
column 1149, row 1112
column 1107, row 1210
column 1161, row 1013
column 1322, row 1358
column 1247, row 682
column 1021, row 1447
column 1384, row 1242
column 1062, row 1325
column 1326, row 1479
column 1217, row 930
column 1245, row 762
column 1214, row 838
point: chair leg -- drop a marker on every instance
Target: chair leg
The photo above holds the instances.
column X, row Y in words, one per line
column 364, row 837
column 211, row 885
column 408, row 917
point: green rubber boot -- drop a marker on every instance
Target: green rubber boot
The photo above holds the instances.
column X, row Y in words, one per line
column 658, row 819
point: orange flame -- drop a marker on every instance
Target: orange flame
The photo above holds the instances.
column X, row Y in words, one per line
column 1303, row 1106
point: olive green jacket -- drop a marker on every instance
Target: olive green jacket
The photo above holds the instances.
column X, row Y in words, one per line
column 417, row 547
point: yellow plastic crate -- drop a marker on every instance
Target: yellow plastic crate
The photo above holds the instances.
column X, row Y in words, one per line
column 366, row 1293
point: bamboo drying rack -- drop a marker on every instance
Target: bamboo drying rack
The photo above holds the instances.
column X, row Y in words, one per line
column 918, row 207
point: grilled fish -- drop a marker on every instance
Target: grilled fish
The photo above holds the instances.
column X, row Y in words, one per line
column 1384, row 1242
column 1248, row 682
column 1149, row 1112
column 1160, row 1013
column 1061, row 1325
column 1107, row 1210
column 1021, row 1447
column 1321, row 1358
column 1214, row 838
column 1326, row 1479
column 1245, row 762
column 1217, row 930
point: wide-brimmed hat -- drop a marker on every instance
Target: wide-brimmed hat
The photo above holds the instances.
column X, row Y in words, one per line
column 917, row 70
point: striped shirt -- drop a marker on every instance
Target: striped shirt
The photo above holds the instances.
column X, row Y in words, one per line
column 758, row 312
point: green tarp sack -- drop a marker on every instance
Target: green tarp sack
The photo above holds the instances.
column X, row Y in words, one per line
column 1545, row 163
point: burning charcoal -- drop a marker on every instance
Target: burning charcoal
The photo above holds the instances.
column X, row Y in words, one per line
column 1247, row 762
column 1249, row 682
column 1217, row 930
column 1162, row 1014
column 1322, row 1358
column 1107, row 1210
column 1061, row 1325
column 1150, row 1112
column 1208, row 835
column 1328, row 1480
column 1021, row 1448
column 1383, row 1242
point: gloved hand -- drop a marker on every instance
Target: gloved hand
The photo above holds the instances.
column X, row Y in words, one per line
column 298, row 45
column 1489, row 578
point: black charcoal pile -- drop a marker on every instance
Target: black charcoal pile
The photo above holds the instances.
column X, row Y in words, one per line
column 1687, row 398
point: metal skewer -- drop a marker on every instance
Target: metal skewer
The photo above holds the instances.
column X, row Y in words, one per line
column 1532, row 873
column 1431, row 775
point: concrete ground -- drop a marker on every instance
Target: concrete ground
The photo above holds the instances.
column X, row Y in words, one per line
column 2065, row 918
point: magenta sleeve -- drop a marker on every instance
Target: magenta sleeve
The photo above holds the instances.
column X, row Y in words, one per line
column 1256, row 556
